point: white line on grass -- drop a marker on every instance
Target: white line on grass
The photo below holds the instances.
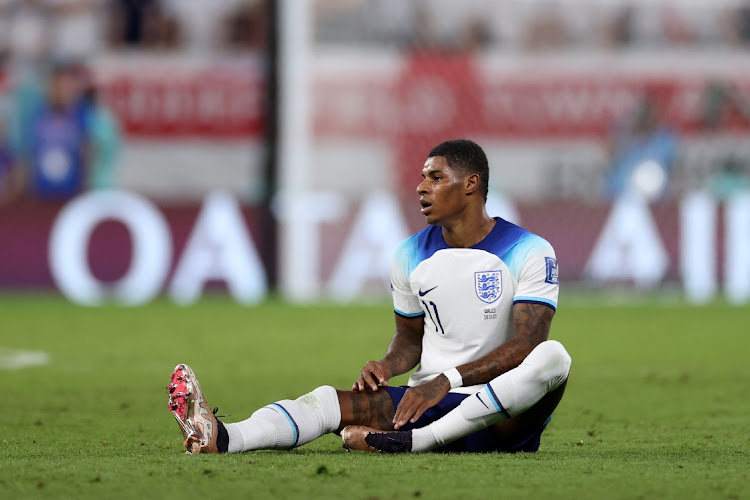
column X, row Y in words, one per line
column 15, row 359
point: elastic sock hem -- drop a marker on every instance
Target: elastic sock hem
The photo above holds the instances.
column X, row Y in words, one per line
column 423, row 439
column 236, row 442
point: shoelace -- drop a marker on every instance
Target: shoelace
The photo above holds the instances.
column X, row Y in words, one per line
column 216, row 410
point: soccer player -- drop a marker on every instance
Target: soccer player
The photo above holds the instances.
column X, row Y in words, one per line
column 474, row 298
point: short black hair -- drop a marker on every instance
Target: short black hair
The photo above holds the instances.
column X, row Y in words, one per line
column 466, row 156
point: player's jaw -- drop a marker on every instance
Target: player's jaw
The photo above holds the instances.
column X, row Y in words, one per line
column 440, row 192
column 431, row 208
column 439, row 207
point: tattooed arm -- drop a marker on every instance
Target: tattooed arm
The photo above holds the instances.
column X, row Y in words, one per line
column 531, row 324
column 403, row 354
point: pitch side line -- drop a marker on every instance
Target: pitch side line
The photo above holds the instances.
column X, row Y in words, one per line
column 15, row 359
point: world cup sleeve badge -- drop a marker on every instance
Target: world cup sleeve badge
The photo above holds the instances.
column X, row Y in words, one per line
column 551, row 278
column 488, row 285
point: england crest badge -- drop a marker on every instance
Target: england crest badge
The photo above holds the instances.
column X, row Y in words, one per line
column 488, row 285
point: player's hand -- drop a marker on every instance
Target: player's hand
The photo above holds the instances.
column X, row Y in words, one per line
column 373, row 373
column 419, row 399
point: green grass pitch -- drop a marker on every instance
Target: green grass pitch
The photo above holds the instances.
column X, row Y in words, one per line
column 658, row 404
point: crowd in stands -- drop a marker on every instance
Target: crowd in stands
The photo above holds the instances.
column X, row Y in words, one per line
column 57, row 137
column 536, row 25
column 81, row 29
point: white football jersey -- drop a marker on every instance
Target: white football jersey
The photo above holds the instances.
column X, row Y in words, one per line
column 467, row 294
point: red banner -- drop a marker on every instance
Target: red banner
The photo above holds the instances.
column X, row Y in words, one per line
column 456, row 96
column 203, row 103
column 431, row 96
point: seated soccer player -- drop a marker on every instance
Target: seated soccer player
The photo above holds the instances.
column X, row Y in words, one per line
column 474, row 298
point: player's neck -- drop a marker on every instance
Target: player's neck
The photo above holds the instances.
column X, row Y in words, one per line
column 469, row 230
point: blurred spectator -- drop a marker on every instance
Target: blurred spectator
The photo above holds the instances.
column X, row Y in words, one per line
column 103, row 136
column 25, row 98
column 245, row 26
column 25, row 26
column 715, row 100
column 10, row 178
column 616, row 28
column 643, row 152
column 675, row 26
column 142, row 23
column 198, row 21
column 27, row 23
column 57, row 157
column 730, row 174
column 76, row 31
column 546, row 30
column 731, row 179
column 449, row 25
column 476, row 35
column 735, row 25
column 5, row 26
column 423, row 35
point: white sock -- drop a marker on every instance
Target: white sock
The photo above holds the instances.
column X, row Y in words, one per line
column 506, row 396
column 287, row 424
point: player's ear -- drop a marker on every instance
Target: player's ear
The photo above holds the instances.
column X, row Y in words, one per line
column 471, row 183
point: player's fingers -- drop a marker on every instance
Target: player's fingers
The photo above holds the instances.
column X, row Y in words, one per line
column 405, row 410
column 360, row 383
column 383, row 375
column 400, row 411
column 419, row 411
column 369, row 380
column 404, row 418
column 377, row 371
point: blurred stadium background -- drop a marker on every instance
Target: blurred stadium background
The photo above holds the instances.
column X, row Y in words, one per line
column 266, row 152
column 172, row 146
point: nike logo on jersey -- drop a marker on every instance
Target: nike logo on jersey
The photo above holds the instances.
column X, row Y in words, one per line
column 422, row 294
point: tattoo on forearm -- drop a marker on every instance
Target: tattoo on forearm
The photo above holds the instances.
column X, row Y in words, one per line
column 531, row 323
column 403, row 355
column 403, row 360
column 405, row 348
